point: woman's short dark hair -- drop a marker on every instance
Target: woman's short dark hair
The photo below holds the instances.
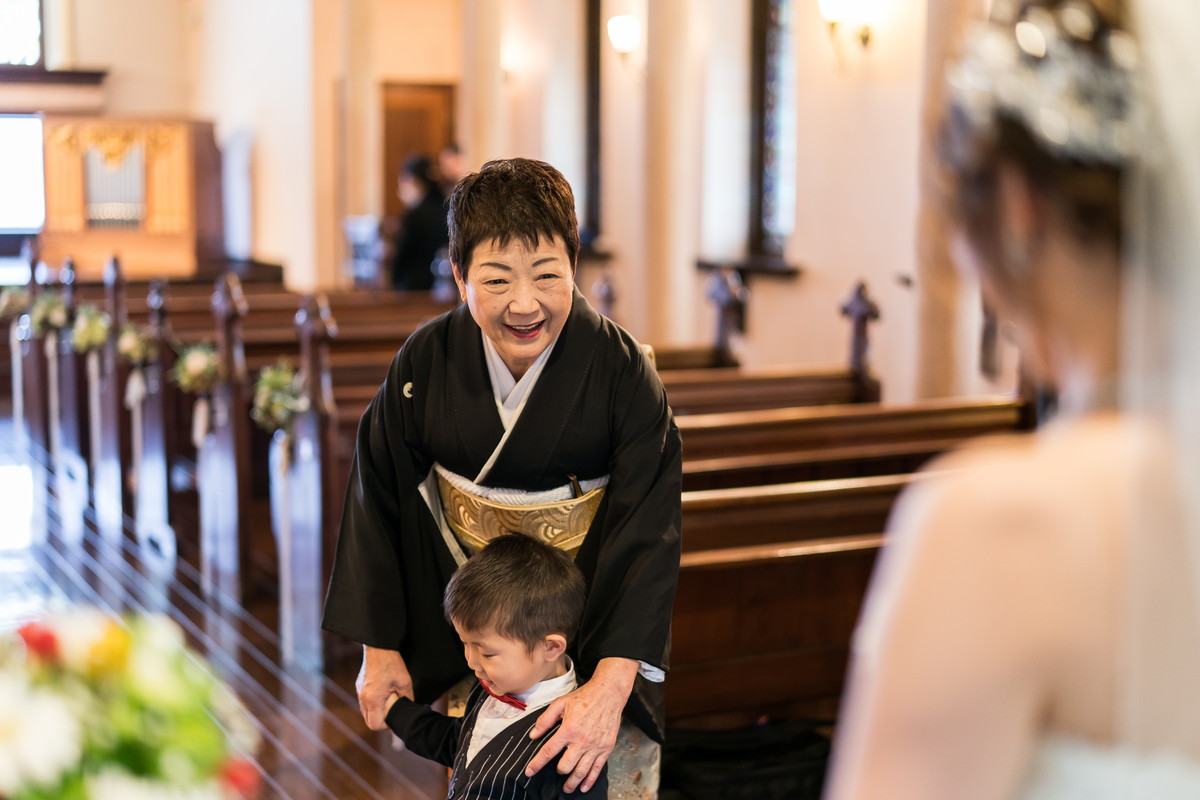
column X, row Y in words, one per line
column 515, row 198
column 520, row 588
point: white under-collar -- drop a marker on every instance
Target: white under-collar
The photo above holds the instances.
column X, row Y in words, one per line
column 510, row 393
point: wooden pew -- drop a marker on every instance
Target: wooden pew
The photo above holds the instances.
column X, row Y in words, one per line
column 74, row 451
column 35, row 368
column 701, row 391
column 765, row 630
column 793, row 444
column 241, row 516
column 112, row 496
column 771, row 584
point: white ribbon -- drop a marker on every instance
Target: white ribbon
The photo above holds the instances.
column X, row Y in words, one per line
column 281, row 448
column 135, row 396
column 199, row 422
column 51, row 346
column 18, row 379
column 94, row 412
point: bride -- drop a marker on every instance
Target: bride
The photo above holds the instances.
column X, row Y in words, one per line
column 1032, row 630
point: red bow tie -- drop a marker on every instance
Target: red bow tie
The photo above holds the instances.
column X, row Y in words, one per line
column 504, row 698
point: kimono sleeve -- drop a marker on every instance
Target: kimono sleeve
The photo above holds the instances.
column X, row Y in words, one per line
column 636, row 570
column 367, row 599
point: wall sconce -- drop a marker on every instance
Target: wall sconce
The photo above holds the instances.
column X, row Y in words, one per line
column 845, row 12
column 624, row 33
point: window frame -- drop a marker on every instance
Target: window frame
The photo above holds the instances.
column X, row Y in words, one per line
column 40, row 64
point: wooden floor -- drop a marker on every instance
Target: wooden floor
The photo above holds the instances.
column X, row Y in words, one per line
column 314, row 743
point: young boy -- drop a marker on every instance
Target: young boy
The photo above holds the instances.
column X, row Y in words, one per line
column 516, row 606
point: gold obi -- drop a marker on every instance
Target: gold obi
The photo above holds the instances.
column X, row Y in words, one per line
column 476, row 521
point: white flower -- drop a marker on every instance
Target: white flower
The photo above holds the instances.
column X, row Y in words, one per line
column 114, row 785
column 195, row 362
column 77, row 632
column 128, row 342
column 58, row 317
column 40, row 738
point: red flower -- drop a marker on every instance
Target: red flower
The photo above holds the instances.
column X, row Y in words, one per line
column 39, row 640
column 242, row 776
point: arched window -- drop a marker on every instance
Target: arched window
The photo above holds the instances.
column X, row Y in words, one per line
column 21, row 39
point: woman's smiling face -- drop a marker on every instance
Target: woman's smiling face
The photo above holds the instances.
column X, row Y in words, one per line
column 519, row 296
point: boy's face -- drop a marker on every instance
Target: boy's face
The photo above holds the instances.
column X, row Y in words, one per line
column 519, row 296
column 505, row 665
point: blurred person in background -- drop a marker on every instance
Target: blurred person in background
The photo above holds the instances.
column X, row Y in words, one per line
column 422, row 228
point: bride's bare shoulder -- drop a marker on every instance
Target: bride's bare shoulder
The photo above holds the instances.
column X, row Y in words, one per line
column 1075, row 454
column 1046, row 483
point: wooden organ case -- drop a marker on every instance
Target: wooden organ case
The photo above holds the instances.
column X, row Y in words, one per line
column 147, row 191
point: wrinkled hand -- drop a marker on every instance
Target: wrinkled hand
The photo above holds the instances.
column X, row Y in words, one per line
column 590, row 717
column 383, row 674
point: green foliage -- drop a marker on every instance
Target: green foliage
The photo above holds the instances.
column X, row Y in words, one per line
column 278, row 397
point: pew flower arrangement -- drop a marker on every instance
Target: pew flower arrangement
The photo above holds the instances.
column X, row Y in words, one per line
column 278, row 397
column 48, row 313
column 136, row 344
column 93, row 709
column 91, row 329
column 197, row 369
column 14, row 301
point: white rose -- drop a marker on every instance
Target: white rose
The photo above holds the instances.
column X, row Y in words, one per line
column 195, row 362
column 127, row 343
column 40, row 738
column 77, row 632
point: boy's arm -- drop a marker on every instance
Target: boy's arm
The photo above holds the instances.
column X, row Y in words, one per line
column 424, row 731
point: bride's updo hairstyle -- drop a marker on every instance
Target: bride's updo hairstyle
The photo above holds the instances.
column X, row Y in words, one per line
column 1047, row 87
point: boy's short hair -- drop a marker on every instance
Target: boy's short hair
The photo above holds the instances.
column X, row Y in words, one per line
column 514, row 198
column 519, row 587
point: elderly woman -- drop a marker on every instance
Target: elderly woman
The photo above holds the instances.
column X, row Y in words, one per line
column 522, row 410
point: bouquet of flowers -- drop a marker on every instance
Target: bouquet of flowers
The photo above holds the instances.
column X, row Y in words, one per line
column 14, row 301
column 136, row 344
column 93, row 709
column 91, row 329
column 197, row 369
column 278, row 397
column 48, row 313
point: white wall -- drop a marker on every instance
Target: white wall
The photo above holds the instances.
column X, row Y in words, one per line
column 252, row 68
column 139, row 42
column 393, row 41
column 857, row 200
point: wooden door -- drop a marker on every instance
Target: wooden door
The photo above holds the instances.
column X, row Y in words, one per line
column 417, row 118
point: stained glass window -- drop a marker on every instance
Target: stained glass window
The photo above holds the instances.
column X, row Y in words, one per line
column 21, row 32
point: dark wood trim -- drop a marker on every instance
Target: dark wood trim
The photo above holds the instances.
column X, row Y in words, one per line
column 593, row 32
column 756, row 243
column 770, row 265
column 19, row 73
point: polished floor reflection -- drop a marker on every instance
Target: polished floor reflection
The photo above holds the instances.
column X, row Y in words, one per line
column 314, row 743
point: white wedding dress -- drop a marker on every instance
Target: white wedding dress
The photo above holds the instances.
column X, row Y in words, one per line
column 1071, row 769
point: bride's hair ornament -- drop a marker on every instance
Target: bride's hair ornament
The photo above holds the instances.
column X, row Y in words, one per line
column 1059, row 72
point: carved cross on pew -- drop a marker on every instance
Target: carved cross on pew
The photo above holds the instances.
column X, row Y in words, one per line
column 731, row 297
column 862, row 311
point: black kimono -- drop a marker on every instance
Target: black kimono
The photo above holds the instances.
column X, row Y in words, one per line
column 597, row 409
column 498, row 769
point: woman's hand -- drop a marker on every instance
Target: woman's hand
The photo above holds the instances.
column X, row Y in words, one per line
column 590, row 717
column 383, row 674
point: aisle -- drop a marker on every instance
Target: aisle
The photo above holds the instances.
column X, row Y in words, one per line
column 315, row 744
